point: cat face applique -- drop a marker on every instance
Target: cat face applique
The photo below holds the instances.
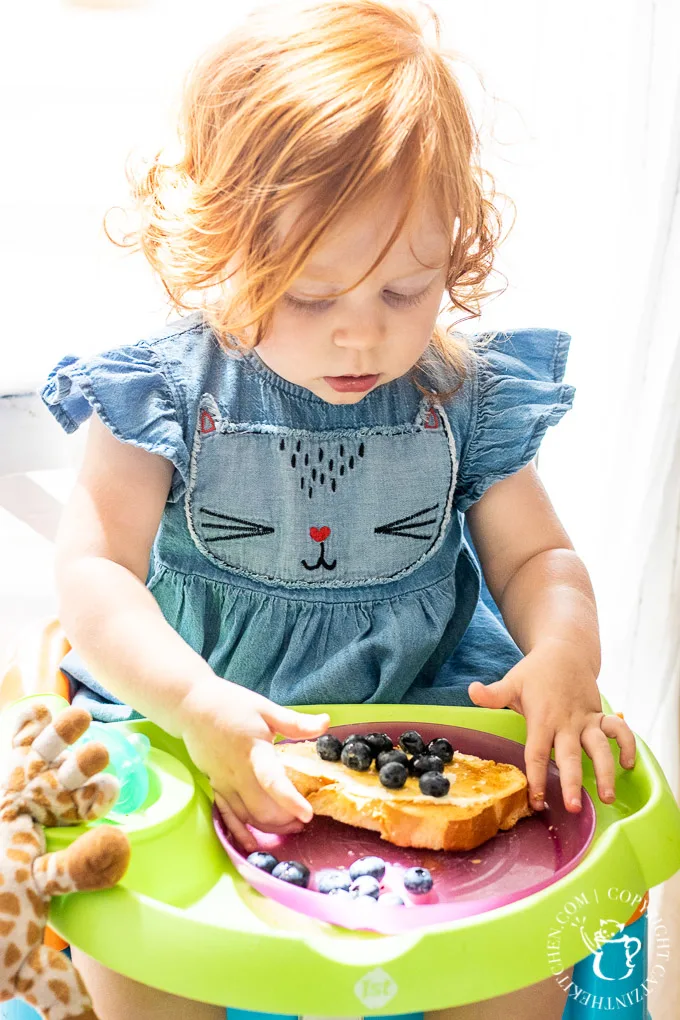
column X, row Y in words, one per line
column 311, row 508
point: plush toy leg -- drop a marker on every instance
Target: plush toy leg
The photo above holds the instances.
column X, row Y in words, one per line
column 96, row 860
column 49, row 978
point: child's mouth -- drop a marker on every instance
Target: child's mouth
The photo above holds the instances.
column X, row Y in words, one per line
column 351, row 383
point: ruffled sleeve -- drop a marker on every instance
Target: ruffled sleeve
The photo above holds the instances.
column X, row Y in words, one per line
column 516, row 394
column 133, row 393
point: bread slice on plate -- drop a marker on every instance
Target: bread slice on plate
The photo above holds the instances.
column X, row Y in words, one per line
column 484, row 796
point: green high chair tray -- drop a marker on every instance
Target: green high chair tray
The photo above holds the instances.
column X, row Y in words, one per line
column 183, row 919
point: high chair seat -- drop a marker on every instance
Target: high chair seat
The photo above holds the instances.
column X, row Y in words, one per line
column 213, row 935
column 33, row 666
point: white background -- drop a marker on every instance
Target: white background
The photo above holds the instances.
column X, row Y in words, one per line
column 580, row 118
column 83, row 86
column 574, row 110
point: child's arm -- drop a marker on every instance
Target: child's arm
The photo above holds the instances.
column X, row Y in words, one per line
column 116, row 625
column 544, row 594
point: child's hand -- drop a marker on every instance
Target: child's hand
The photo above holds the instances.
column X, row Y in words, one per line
column 229, row 733
column 555, row 690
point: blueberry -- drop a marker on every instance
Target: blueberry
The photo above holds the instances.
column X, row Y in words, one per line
column 372, row 866
column 418, row 880
column 342, row 894
column 330, row 880
column 378, row 743
column 442, row 748
column 427, row 763
column 393, row 775
column 329, row 748
column 292, row 872
column 263, row 861
column 396, row 754
column 390, row 899
column 412, row 742
column 354, row 737
column 364, row 899
column 434, row 784
column 357, row 756
column 365, row 886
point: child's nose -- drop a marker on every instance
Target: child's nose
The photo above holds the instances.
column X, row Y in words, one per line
column 362, row 333
column 319, row 534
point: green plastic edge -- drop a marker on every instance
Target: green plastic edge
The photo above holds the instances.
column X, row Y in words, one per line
column 477, row 958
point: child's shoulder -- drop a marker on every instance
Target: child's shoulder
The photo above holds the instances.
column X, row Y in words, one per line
column 183, row 329
column 512, row 392
column 531, row 352
column 145, row 392
column 187, row 341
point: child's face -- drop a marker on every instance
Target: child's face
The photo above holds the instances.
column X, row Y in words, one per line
column 377, row 331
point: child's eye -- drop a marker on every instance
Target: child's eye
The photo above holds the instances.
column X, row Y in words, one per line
column 406, row 300
column 307, row 306
column 396, row 300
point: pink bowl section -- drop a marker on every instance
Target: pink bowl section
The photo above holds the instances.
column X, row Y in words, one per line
column 513, row 865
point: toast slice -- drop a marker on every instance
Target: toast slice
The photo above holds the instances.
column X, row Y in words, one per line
column 484, row 796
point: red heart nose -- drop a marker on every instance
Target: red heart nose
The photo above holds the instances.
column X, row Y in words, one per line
column 319, row 534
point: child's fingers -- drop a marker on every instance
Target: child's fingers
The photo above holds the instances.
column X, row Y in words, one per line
column 536, row 758
column 496, row 695
column 235, row 825
column 272, row 777
column 284, row 830
column 568, row 758
column 597, row 748
column 614, row 727
column 254, row 807
column 290, row 723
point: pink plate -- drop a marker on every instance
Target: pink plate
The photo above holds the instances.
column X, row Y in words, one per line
column 535, row 853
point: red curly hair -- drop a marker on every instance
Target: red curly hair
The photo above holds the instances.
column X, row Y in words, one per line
column 332, row 100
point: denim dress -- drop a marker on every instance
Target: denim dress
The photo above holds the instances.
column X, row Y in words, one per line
column 317, row 553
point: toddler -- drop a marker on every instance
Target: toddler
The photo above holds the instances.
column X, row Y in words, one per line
column 288, row 493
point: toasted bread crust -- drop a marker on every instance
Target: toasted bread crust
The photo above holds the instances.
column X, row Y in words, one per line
column 484, row 797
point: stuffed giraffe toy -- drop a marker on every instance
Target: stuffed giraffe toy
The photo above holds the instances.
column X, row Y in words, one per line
column 46, row 783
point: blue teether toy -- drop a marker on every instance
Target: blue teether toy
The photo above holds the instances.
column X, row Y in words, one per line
column 127, row 755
